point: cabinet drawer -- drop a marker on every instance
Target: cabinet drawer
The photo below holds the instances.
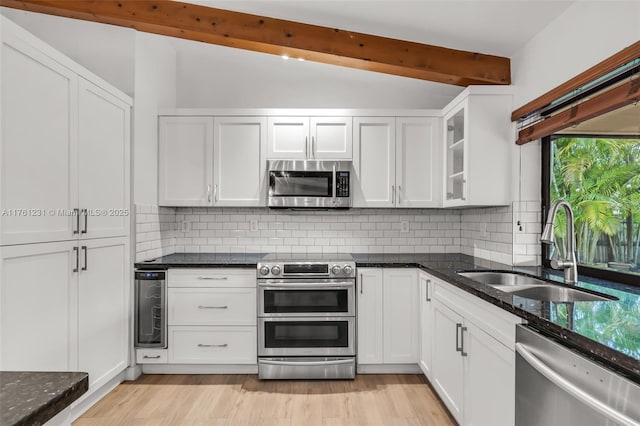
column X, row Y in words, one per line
column 222, row 277
column 151, row 356
column 212, row 306
column 212, row 345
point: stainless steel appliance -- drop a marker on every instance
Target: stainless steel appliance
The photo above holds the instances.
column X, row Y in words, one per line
column 309, row 184
column 150, row 316
column 557, row 386
column 306, row 317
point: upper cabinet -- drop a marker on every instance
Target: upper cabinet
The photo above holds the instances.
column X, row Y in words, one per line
column 65, row 147
column 211, row 161
column 396, row 162
column 310, row 138
column 239, row 169
column 478, row 141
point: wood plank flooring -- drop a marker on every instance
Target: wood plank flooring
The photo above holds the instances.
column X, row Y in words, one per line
column 243, row 400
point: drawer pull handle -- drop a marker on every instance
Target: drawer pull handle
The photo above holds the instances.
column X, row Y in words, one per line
column 214, row 278
column 212, row 307
column 151, row 357
column 202, row 345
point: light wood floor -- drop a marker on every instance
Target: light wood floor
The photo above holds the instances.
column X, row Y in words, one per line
column 243, row 400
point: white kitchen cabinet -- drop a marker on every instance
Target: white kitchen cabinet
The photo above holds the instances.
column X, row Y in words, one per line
column 478, row 142
column 73, row 163
column 239, row 167
column 104, row 131
column 185, row 169
column 38, row 307
column 417, row 162
column 309, row 138
column 374, row 161
column 64, row 306
column 489, row 379
column 473, row 357
column 103, row 308
column 212, row 317
column 387, row 316
column 425, row 284
column 401, row 317
column 395, row 161
column 447, row 375
column 370, row 316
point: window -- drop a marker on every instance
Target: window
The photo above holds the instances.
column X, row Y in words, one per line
column 595, row 166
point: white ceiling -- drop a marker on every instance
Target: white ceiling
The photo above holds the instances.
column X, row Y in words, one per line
column 491, row 27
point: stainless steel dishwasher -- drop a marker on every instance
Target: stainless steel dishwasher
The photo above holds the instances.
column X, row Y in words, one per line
column 557, row 386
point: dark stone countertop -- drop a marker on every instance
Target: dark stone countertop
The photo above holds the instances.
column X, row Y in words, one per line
column 32, row 398
column 607, row 332
column 202, row 260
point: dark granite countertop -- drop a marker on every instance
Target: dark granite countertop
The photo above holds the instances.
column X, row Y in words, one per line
column 32, row 398
column 202, row 260
column 607, row 332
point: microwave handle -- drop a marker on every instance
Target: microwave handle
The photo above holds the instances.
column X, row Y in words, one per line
column 335, row 182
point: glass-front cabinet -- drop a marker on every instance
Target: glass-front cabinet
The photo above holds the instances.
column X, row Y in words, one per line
column 455, row 178
column 479, row 148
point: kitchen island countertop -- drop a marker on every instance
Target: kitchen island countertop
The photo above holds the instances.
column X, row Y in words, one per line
column 33, row 398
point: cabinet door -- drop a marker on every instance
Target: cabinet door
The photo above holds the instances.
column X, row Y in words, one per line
column 400, row 313
column 38, row 300
column 417, row 162
column 489, row 382
column 455, row 145
column 370, row 319
column 39, row 152
column 374, row 161
column 331, row 138
column 103, row 308
column 185, row 161
column 426, row 323
column 447, row 373
column 288, row 138
column 239, row 146
column 104, row 134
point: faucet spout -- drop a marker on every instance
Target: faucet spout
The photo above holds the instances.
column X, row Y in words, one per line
column 570, row 264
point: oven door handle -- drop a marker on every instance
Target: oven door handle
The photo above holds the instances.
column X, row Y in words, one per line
column 318, row 286
column 308, row 363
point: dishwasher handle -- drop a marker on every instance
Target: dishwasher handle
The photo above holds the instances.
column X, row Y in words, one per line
column 572, row 389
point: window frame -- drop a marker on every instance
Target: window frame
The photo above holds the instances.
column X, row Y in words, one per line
column 604, row 274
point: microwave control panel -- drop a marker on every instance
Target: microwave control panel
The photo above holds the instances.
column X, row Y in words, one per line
column 342, row 184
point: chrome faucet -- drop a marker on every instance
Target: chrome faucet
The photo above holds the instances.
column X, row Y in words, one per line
column 570, row 264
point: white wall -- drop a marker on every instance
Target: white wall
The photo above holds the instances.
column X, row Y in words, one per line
column 105, row 50
column 585, row 34
column 221, row 77
column 155, row 87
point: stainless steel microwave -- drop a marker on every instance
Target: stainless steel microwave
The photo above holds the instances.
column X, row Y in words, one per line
column 309, row 184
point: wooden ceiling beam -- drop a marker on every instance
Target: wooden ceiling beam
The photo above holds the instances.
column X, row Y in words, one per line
column 280, row 37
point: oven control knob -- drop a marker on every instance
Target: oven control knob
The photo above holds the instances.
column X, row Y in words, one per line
column 275, row 270
column 347, row 269
column 264, row 270
column 336, row 269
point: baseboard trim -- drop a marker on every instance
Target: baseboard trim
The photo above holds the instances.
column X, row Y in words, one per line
column 132, row 373
column 199, row 369
column 388, row 369
column 86, row 401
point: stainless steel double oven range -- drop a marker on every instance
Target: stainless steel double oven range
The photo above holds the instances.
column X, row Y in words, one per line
column 306, row 317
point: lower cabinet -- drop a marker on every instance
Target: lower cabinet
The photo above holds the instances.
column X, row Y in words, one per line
column 425, row 284
column 211, row 318
column 64, row 306
column 473, row 357
column 387, row 316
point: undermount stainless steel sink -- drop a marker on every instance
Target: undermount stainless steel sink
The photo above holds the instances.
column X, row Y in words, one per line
column 521, row 285
column 502, row 278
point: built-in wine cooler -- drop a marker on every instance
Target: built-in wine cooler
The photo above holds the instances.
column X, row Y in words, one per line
column 150, row 309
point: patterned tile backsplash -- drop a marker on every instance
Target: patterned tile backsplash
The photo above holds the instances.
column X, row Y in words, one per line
column 483, row 232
